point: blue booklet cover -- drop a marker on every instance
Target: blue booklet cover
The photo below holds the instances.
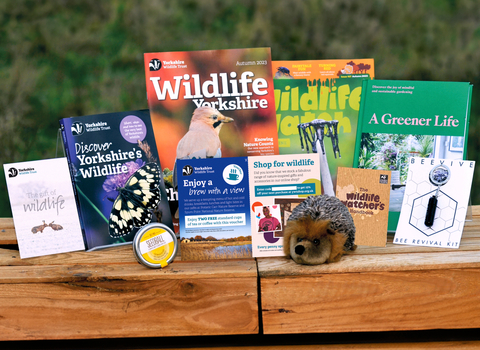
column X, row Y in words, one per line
column 237, row 207
column 116, row 174
column 214, row 208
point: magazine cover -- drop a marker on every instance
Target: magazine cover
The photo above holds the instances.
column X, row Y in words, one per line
column 366, row 194
column 435, row 202
column 43, row 207
column 317, row 104
column 214, row 208
column 403, row 119
column 117, row 175
column 212, row 103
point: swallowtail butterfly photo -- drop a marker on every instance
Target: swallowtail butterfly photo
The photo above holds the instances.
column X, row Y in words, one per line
column 134, row 201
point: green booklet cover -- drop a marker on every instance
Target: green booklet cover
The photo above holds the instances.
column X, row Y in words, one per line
column 401, row 119
column 317, row 104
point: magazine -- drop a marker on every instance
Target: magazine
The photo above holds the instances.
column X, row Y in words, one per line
column 112, row 156
column 212, row 103
column 403, row 119
column 317, row 104
column 43, row 207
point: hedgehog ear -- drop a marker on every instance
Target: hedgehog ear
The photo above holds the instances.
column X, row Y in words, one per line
column 330, row 229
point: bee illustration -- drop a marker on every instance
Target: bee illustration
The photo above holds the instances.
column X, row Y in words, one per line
column 55, row 227
column 40, row 228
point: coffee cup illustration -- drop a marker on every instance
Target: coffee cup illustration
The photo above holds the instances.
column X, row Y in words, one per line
column 233, row 175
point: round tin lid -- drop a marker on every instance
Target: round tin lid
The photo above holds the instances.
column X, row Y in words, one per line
column 155, row 245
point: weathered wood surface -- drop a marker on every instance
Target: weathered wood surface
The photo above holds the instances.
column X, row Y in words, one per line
column 107, row 294
column 7, row 231
column 376, row 289
column 457, row 345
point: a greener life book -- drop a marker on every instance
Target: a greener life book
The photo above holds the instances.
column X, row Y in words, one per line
column 401, row 119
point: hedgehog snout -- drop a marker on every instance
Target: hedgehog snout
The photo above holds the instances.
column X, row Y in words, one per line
column 299, row 249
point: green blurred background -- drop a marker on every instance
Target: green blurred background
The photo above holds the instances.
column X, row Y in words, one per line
column 63, row 58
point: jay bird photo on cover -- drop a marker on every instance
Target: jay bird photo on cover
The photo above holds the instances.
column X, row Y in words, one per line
column 202, row 139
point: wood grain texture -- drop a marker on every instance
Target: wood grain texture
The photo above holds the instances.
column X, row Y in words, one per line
column 376, row 289
column 456, row 345
column 107, row 294
column 245, row 269
column 134, row 308
column 371, row 302
column 7, row 231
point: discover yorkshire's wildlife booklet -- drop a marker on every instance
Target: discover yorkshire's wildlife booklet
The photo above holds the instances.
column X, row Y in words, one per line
column 317, row 102
column 232, row 207
column 117, row 176
column 211, row 103
column 366, row 194
column 435, row 203
column 43, row 207
column 401, row 119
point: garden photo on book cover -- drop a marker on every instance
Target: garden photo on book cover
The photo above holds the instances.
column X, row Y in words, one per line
column 391, row 152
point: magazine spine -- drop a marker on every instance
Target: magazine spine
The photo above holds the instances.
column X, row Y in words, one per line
column 72, row 177
column 467, row 122
column 361, row 114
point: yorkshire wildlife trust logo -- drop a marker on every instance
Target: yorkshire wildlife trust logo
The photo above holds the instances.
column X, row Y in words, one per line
column 187, row 170
column 155, row 64
column 12, row 172
column 383, row 178
column 77, row 129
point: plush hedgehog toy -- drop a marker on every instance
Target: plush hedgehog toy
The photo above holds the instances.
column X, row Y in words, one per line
column 319, row 230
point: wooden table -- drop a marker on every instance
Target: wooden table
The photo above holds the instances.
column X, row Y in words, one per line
column 107, row 295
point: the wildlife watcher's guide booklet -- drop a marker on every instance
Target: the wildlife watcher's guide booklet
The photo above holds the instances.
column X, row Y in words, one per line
column 366, row 194
column 435, row 203
column 317, row 102
column 212, row 103
column 43, row 207
column 228, row 206
column 400, row 119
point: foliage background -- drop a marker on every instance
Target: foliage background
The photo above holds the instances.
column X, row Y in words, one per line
column 62, row 58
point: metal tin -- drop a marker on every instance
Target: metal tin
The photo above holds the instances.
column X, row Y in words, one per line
column 155, row 245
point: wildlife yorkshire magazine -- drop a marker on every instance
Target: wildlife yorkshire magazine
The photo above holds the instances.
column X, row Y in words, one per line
column 210, row 104
column 117, row 176
column 317, row 104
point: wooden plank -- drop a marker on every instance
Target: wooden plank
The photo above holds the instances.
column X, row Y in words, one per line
column 376, row 289
column 372, row 302
column 7, row 232
column 107, row 294
column 128, row 308
column 457, row 345
column 120, row 254
column 361, row 263
column 128, row 300
column 127, row 272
